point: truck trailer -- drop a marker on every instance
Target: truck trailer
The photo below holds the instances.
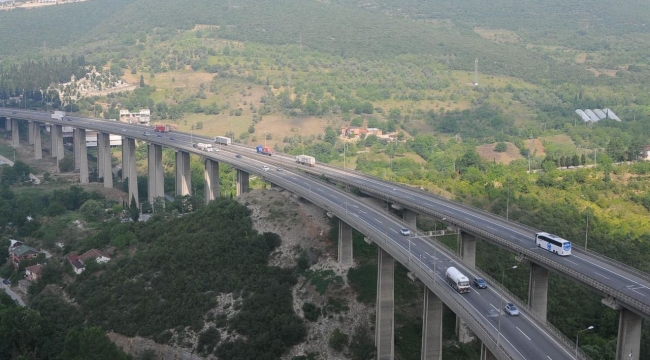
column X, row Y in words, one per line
column 162, row 128
column 264, row 150
column 457, row 280
column 203, row 146
column 222, row 140
column 306, row 160
column 58, row 115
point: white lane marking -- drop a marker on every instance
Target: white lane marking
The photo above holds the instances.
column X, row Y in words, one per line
column 601, row 275
column 522, row 332
column 377, row 220
column 638, row 292
column 610, row 271
column 572, row 262
column 495, row 308
column 477, row 293
column 549, row 358
column 394, row 231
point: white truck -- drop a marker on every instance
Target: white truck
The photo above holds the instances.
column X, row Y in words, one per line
column 306, row 160
column 205, row 147
column 58, row 115
column 457, row 280
column 222, row 140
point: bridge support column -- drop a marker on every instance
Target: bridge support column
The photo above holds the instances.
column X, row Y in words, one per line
column 628, row 345
column 38, row 150
column 156, row 181
column 100, row 157
column 242, row 182
column 125, row 157
column 15, row 137
column 60, row 153
column 104, row 153
column 83, row 157
column 30, row 132
column 75, row 148
column 431, row 327
column 385, row 320
column 486, row 354
column 183, row 175
column 467, row 250
column 409, row 217
column 8, row 124
column 345, row 243
column 129, row 170
column 538, row 290
column 212, row 183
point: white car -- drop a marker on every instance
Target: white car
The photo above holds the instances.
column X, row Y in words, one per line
column 405, row 231
column 266, row 168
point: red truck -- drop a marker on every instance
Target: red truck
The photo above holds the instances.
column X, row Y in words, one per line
column 162, row 128
column 264, row 150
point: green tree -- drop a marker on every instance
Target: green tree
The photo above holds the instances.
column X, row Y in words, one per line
column 330, row 135
column 142, row 84
column 338, row 340
column 501, row 147
column 66, row 164
column 91, row 344
column 134, row 212
column 92, row 210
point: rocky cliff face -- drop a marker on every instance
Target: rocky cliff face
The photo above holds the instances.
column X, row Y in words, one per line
column 136, row 346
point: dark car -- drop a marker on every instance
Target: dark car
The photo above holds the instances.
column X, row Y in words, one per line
column 238, row 156
column 172, row 138
column 14, row 112
column 5, row 281
column 480, row 283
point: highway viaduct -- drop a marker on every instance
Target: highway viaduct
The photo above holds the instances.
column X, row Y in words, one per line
column 425, row 258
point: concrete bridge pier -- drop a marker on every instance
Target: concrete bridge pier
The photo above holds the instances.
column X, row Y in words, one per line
column 83, row 157
column 129, row 170
column 156, row 180
column 467, row 252
column 104, row 153
column 345, row 244
column 125, row 157
column 100, row 157
column 212, row 183
column 410, row 218
column 242, row 182
column 30, row 132
column 538, row 290
column 183, row 174
column 385, row 314
column 15, row 137
column 75, row 148
column 59, row 143
column 431, row 327
column 628, row 345
column 486, row 354
column 8, row 124
column 38, row 150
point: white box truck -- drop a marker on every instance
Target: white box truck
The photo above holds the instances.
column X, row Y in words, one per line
column 222, row 140
column 457, row 280
column 306, row 160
